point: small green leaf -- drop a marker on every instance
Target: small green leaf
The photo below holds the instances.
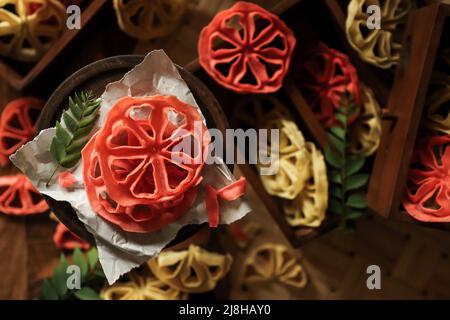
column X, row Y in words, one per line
column 86, row 293
column 78, row 101
column 63, row 262
column 59, row 280
column 356, row 181
column 79, row 260
column 354, row 164
column 62, row 134
column 88, row 120
column 332, row 158
column 82, row 132
column 353, row 214
column 338, row 132
column 337, row 144
column 48, row 292
column 70, row 123
column 93, row 108
column 342, row 118
column 70, row 160
column 92, row 257
column 335, row 177
column 336, row 191
column 57, row 149
column 75, row 109
column 335, row 206
column 77, row 145
column 357, row 201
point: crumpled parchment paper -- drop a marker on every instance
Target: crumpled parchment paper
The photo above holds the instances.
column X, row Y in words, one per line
column 121, row 251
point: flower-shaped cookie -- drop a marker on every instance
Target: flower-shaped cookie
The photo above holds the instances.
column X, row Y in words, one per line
column 273, row 262
column 309, row 207
column 141, row 286
column 144, row 19
column 325, row 75
column 366, row 130
column 293, row 161
column 428, row 190
column 19, row 197
column 135, row 177
column 193, row 271
column 246, row 49
column 379, row 47
column 28, row 28
column 18, row 125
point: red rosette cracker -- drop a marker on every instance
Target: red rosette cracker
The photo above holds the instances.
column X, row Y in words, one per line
column 428, row 189
column 19, row 197
column 324, row 76
column 255, row 52
column 66, row 179
column 64, row 239
column 134, row 176
column 18, row 125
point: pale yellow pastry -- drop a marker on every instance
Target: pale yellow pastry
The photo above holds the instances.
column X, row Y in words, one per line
column 149, row 19
column 379, row 47
column 193, row 271
column 309, row 207
column 365, row 132
column 293, row 161
column 28, row 28
column 141, row 287
column 438, row 102
column 272, row 262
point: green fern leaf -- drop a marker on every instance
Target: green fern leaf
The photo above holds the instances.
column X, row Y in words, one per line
column 71, row 123
column 347, row 183
column 76, row 124
column 354, row 165
column 92, row 278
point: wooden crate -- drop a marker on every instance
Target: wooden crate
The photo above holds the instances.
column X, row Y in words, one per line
column 20, row 75
column 424, row 33
column 300, row 18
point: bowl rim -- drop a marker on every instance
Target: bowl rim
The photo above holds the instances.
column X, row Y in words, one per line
column 50, row 114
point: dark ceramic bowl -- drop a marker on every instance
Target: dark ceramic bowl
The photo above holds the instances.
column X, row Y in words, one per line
column 95, row 77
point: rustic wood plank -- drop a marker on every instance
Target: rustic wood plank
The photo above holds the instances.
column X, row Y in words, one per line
column 21, row 81
column 421, row 40
column 13, row 258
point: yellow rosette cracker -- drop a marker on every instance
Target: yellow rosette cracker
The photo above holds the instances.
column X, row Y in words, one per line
column 141, row 287
column 193, row 271
column 366, row 130
column 28, row 28
column 309, row 207
column 273, row 262
column 377, row 46
column 293, row 161
column 145, row 20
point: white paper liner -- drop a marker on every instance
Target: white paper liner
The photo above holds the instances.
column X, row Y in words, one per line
column 121, row 251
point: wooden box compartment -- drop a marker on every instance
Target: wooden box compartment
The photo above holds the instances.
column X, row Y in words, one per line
column 230, row 103
column 311, row 23
column 425, row 37
column 20, row 74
